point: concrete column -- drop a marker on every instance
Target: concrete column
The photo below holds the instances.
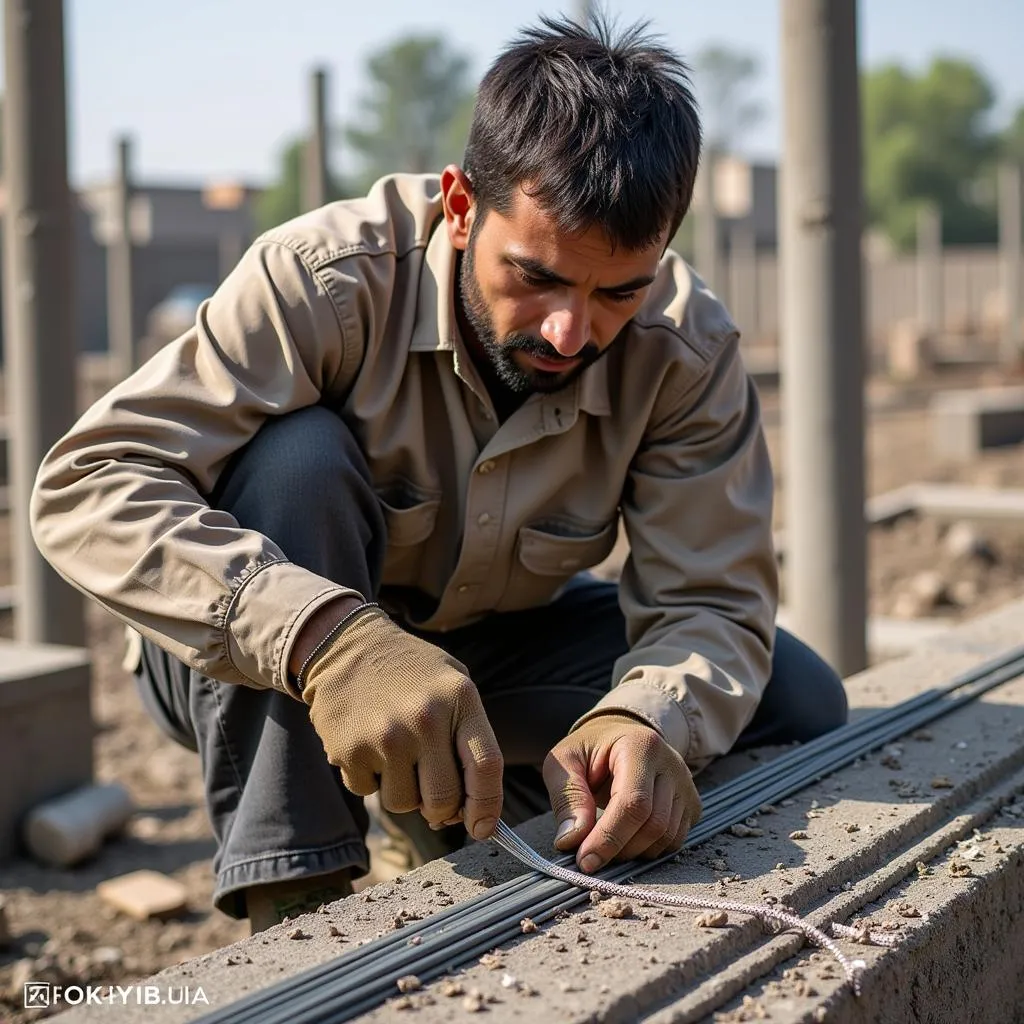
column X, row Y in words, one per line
column 1011, row 349
column 822, row 351
column 930, row 313
column 707, row 250
column 743, row 278
column 122, row 326
column 315, row 171
column 39, row 339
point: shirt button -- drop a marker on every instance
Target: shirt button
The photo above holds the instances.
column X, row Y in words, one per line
column 485, row 467
column 483, row 519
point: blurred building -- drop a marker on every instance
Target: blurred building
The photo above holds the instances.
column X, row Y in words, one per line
column 184, row 239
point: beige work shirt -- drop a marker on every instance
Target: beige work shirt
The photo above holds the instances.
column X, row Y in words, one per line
column 352, row 306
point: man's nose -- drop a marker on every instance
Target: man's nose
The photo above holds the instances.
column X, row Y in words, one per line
column 567, row 329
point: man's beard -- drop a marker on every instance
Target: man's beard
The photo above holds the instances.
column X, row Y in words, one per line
column 499, row 353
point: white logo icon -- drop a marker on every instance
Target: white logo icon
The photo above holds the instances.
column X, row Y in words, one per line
column 37, row 995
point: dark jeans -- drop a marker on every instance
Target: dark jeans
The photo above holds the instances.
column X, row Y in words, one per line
column 278, row 809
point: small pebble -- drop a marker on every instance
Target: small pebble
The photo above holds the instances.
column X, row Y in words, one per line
column 799, row 834
column 746, row 831
column 297, row 933
column 408, row 983
column 942, row 782
column 528, row 926
column 509, row 981
column 403, row 1003
column 615, row 908
column 908, row 910
column 712, row 919
column 451, row 988
column 474, row 1002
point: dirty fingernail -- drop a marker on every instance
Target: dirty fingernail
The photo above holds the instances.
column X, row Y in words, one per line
column 590, row 863
column 567, row 826
column 483, row 828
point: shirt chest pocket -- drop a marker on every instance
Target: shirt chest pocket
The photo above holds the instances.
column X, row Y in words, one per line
column 544, row 560
column 410, row 517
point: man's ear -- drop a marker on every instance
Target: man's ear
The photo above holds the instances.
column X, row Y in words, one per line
column 459, row 206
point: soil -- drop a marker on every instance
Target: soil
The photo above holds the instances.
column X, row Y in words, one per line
column 56, row 919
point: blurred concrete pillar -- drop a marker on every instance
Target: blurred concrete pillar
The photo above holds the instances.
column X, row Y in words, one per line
column 930, row 313
column 122, row 325
column 743, row 278
column 706, row 242
column 822, row 358
column 39, row 331
column 315, row 172
column 1011, row 349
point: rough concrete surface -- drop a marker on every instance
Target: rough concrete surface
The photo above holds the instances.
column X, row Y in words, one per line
column 868, row 828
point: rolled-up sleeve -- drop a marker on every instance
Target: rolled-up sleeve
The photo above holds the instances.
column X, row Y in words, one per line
column 119, row 506
column 700, row 587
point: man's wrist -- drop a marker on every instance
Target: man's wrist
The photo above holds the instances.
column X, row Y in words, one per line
column 316, row 627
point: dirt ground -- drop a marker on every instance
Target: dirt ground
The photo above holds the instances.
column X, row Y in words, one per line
column 60, row 928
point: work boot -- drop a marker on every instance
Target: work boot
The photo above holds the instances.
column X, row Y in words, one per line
column 270, row 904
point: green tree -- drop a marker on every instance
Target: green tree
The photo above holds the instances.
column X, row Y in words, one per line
column 927, row 139
column 415, row 113
column 283, row 200
column 724, row 79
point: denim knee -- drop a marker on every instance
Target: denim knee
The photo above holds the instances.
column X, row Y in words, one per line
column 817, row 696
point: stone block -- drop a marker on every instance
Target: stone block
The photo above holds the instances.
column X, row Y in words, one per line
column 46, row 729
column 965, row 423
column 144, row 895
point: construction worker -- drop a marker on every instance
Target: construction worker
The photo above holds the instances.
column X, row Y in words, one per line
column 349, row 513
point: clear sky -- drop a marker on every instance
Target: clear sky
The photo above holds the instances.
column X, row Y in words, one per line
column 212, row 88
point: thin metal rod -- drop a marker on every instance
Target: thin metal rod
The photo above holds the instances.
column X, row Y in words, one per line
column 363, row 979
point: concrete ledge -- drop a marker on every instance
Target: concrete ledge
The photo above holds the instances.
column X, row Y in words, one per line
column 862, row 833
column 46, row 729
column 965, row 423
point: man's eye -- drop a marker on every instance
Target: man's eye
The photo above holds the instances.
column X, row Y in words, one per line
column 621, row 296
column 533, row 282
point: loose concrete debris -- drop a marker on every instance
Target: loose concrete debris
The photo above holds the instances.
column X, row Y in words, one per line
column 144, row 895
column 451, row 988
column 298, row 933
column 908, row 910
column 799, row 834
column 719, row 865
column 712, row 919
column 474, row 1001
column 959, row 869
column 941, row 782
column 742, row 831
column 527, row 926
column 408, row 983
column 615, row 908
column 492, row 961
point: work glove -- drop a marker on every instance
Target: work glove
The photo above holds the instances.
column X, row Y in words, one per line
column 622, row 763
column 399, row 714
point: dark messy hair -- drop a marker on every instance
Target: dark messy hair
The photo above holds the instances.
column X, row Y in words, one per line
column 600, row 127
